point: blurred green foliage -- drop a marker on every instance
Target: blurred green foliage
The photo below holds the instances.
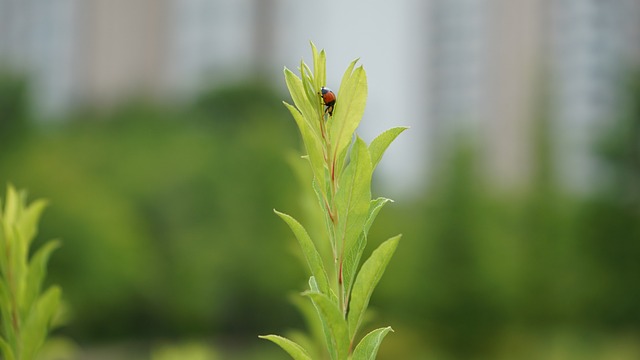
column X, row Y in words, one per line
column 165, row 215
column 158, row 210
column 14, row 109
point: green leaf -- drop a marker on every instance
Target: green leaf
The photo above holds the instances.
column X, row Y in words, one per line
column 382, row 142
column 36, row 274
column 353, row 196
column 322, row 67
column 5, row 309
column 312, row 93
column 310, row 252
column 312, row 321
column 353, row 255
column 349, row 109
column 319, row 78
column 299, row 96
column 346, row 76
column 311, row 143
column 13, row 205
column 37, row 323
column 367, row 280
column 319, row 66
column 335, row 326
column 296, row 351
column 367, row 349
column 28, row 222
column 17, row 264
column 340, row 163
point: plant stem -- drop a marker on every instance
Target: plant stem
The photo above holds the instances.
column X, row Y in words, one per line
column 330, row 162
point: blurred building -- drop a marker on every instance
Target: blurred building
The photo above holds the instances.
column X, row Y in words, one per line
column 104, row 51
column 39, row 39
column 495, row 67
column 443, row 66
column 593, row 45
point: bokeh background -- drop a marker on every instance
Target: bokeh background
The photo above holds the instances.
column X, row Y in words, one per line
column 156, row 130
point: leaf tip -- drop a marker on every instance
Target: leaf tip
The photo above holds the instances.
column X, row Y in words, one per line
column 55, row 243
column 288, row 73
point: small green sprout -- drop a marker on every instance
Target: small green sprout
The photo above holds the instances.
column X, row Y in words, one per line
column 26, row 312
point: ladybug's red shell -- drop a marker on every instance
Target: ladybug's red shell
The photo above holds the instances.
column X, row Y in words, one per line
column 329, row 98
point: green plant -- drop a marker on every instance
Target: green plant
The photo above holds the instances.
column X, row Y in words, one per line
column 26, row 312
column 342, row 169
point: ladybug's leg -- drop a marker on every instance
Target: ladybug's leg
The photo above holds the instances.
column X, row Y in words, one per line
column 330, row 110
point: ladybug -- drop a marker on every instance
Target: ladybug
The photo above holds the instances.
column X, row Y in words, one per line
column 329, row 98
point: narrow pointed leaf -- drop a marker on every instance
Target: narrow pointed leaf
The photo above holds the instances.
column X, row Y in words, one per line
column 12, row 206
column 353, row 196
column 5, row 307
column 302, row 122
column 37, row 324
column 318, row 67
column 335, row 326
column 340, row 162
column 311, row 143
column 28, row 222
column 347, row 74
column 296, row 351
column 18, row 259
column 344, row 84
column 321, row 76
column 367, row 280
column 299, row 96
column 350, row 264
column 310, row 88
column 349, row 109
column 354, row 253
column 382, row 142
column 367, row 349
column 310, row 252
column 36, row 274
column 306, row 71
column 314, row 54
